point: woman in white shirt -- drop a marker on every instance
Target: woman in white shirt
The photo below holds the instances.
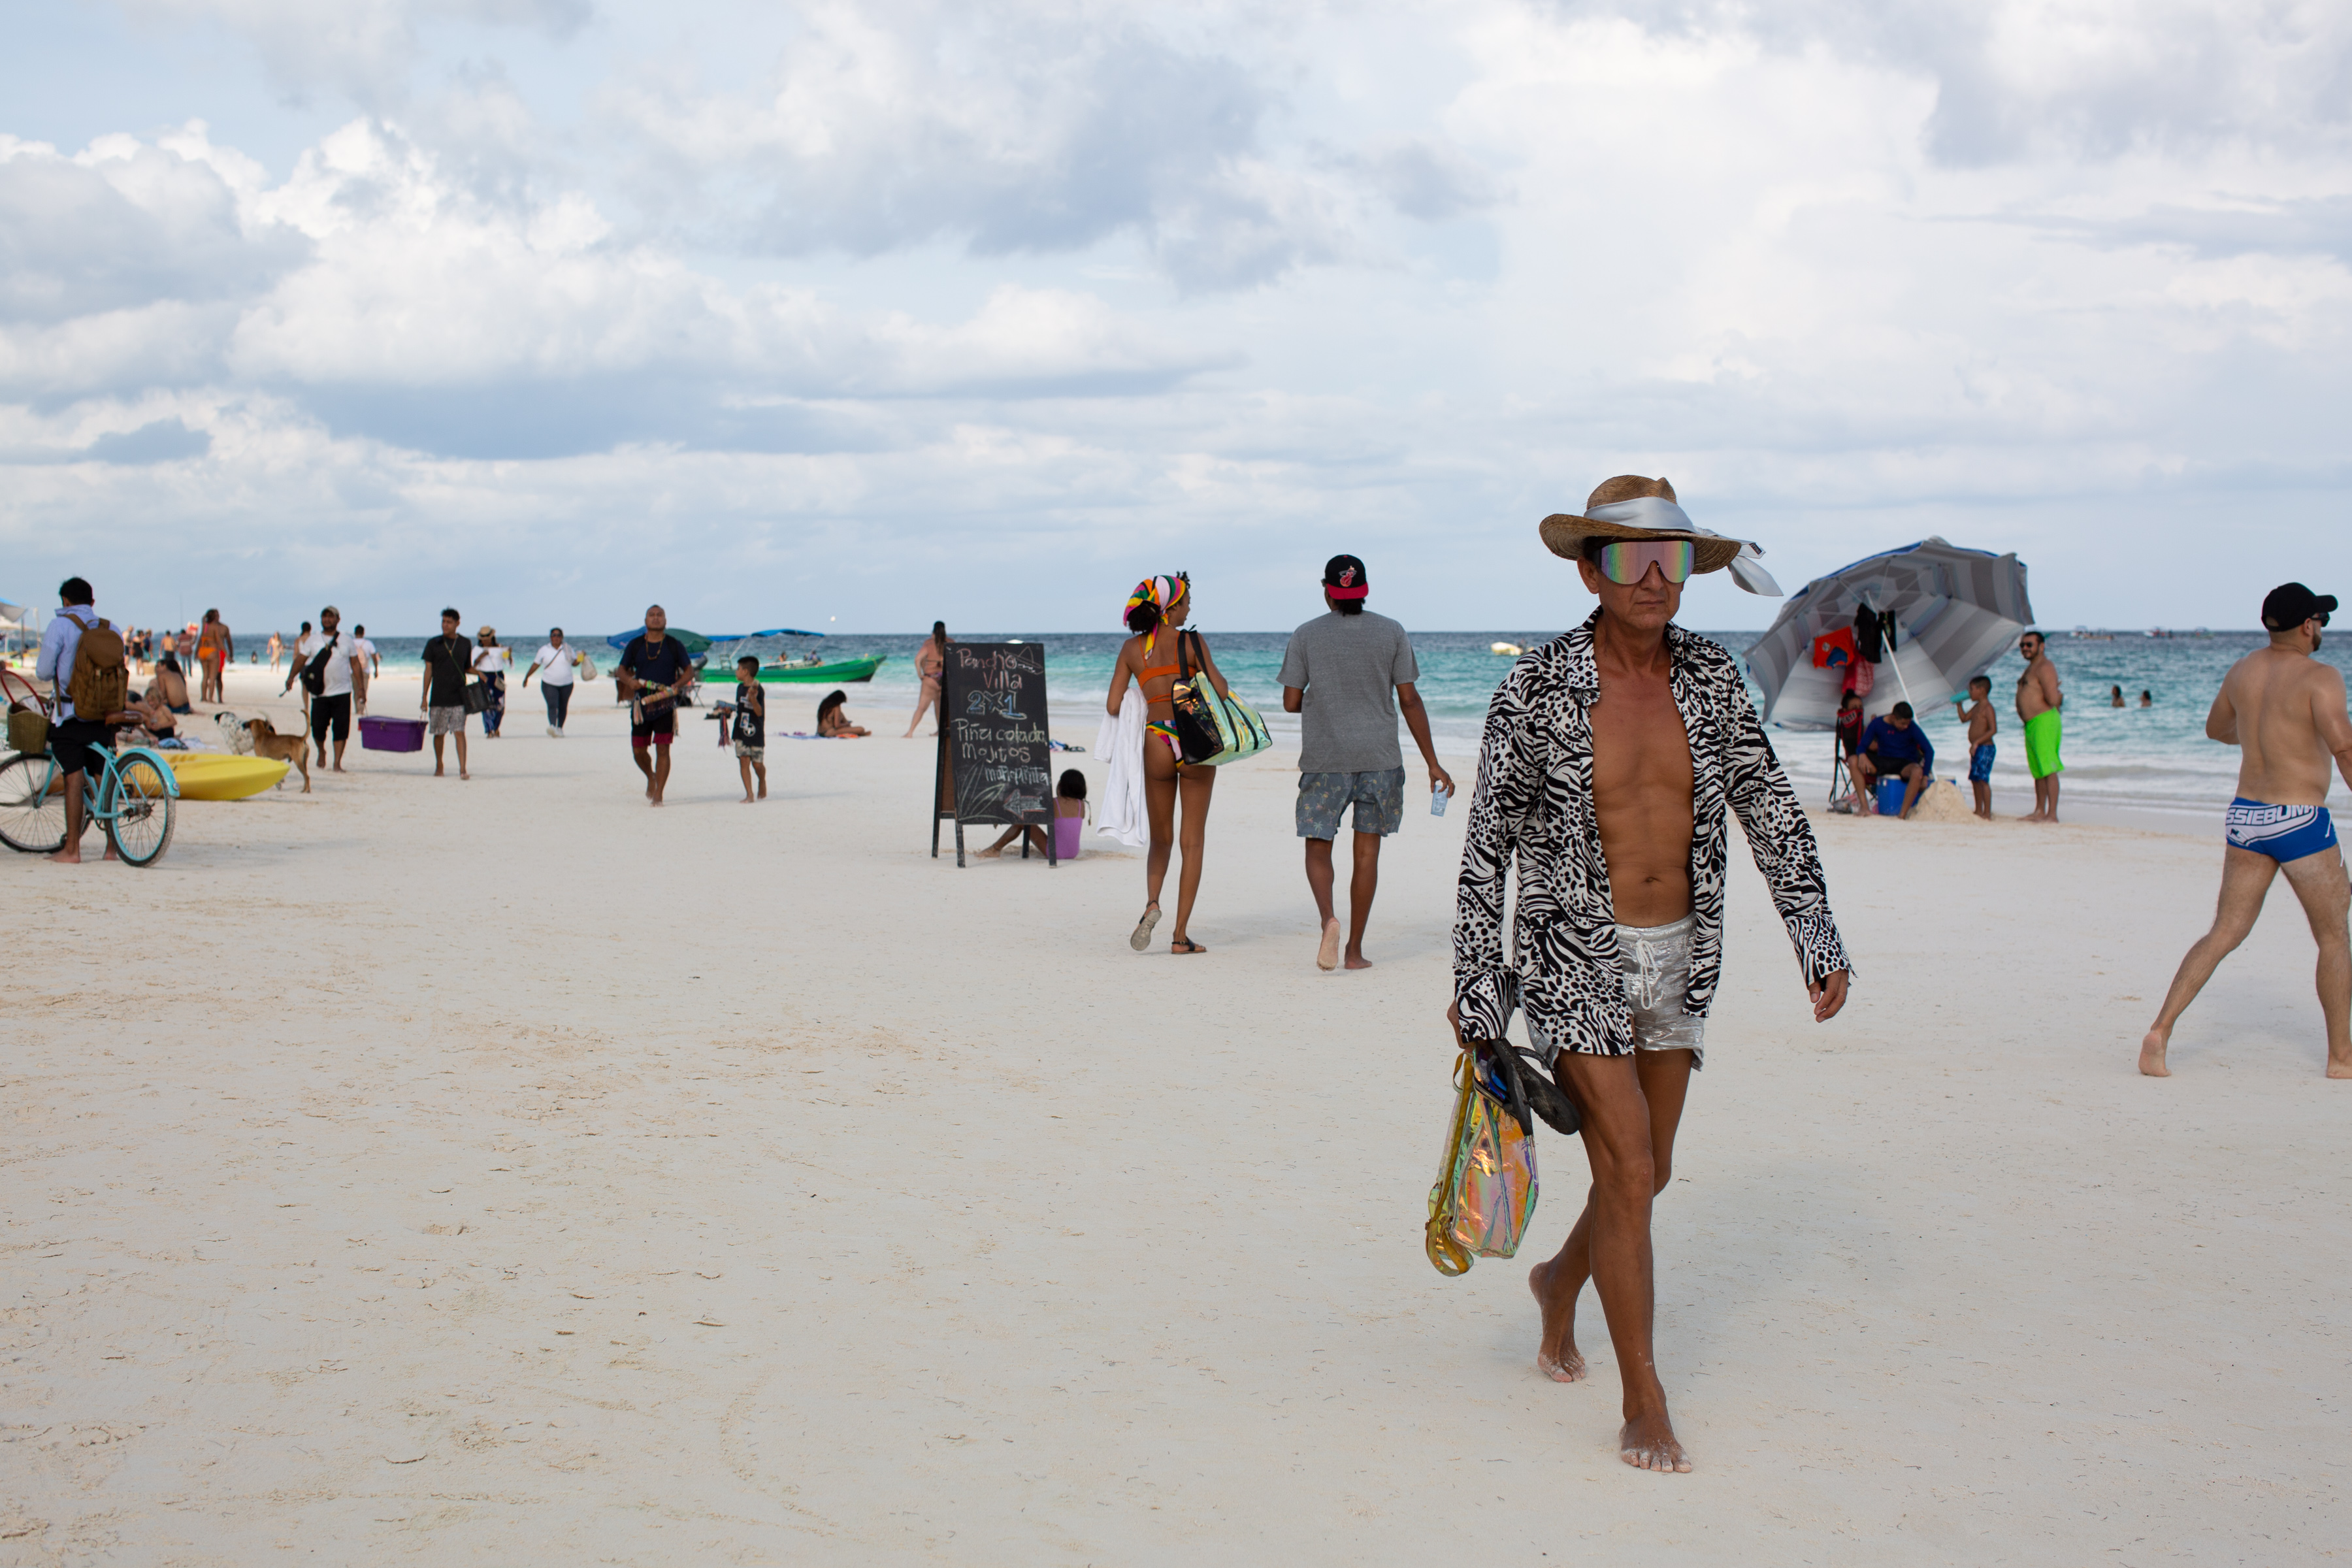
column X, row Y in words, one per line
column 557, row 668
column 491, row 662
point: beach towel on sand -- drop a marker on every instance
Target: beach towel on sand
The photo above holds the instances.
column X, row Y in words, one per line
column 1119, row 743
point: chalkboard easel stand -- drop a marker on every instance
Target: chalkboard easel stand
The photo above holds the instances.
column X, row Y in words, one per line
column 995, row 756
column 943, row 795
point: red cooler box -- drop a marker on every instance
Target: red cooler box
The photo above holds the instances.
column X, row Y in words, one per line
column 391, row 734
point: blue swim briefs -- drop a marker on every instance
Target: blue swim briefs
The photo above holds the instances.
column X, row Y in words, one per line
column 1981, row 765
column 2283, row 833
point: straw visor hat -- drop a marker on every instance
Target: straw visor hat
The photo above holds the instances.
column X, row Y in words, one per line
column 1630, row 507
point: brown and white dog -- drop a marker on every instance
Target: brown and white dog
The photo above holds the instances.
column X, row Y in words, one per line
column 292, row 748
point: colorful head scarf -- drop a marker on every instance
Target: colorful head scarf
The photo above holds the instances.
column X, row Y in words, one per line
column 1163, row 594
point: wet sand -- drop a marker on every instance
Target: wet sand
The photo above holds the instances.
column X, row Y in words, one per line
column 502, row 1172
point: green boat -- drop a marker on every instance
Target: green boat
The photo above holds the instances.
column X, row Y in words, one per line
column 842, row 671
column 715, row 656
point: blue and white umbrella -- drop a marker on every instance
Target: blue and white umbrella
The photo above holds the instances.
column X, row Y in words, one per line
column 1955, row 611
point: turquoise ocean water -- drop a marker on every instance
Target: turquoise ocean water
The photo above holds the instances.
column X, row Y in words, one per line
column 2156, row 758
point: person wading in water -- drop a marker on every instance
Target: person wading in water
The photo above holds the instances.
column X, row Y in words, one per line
column 1612, row 760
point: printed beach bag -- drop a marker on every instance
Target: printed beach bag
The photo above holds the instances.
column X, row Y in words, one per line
column 1212, row 730
column 1486, row 1191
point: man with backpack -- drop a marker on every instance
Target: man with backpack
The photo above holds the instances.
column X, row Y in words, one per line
column 328, row 665
column 82, row 656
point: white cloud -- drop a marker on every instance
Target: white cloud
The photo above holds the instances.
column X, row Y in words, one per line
column 362, row 49
column 1015, row 129
column 1068, row 278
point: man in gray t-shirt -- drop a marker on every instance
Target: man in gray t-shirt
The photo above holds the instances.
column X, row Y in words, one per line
column 1349, row 673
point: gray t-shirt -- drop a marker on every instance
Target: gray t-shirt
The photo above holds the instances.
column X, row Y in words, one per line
column 1349, row 667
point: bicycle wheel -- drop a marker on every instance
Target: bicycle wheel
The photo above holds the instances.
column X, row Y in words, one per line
column 137, row 809
column 32, row 805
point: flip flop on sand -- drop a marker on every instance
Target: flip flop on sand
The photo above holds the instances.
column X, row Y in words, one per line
column 1185, row 947
column 1142, row 937
column 1327, row 955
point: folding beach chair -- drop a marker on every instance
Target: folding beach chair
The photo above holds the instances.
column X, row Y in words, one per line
column 1841, row 795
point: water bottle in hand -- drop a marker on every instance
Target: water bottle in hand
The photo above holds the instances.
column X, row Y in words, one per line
column 1437, row 799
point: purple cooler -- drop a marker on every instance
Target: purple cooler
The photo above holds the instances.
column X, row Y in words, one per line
column 390, row 734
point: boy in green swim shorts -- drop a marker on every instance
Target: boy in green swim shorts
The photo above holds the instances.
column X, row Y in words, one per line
column 2039, row 701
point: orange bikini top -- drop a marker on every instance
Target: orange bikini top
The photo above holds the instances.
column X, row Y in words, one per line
column 1163, row 670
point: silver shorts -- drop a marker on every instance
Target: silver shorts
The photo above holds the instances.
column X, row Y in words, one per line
column 1655, row 962
column 446, row 721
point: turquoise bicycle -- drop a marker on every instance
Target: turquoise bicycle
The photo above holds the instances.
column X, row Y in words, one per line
column 131, row 797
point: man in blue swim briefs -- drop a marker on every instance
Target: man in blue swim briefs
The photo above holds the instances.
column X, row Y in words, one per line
column 2284, row 711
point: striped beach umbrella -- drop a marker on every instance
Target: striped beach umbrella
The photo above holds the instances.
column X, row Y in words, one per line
column 1955, row 611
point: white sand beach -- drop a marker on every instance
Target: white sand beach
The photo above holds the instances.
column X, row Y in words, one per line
column 505, row 1172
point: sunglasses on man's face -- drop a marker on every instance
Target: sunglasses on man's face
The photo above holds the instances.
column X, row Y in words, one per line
column 1626, row 562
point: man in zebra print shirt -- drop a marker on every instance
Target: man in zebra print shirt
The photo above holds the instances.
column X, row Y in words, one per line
column 1612, row 759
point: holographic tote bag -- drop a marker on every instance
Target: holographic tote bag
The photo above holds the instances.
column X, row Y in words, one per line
column 1486, row 1191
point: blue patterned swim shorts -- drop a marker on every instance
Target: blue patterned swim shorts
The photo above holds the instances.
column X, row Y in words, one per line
column 2283, row 833
column 1981, row 765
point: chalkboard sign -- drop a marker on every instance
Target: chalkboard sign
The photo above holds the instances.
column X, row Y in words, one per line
column 996, row 762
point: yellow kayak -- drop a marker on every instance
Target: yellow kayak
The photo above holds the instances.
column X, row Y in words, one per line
column 210, row 775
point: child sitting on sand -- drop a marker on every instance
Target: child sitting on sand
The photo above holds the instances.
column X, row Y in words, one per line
column 748, row 726
column 833, row 718
column 1982, row 723
column 1069, row 800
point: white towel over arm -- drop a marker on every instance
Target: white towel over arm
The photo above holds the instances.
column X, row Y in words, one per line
column 1119, row 743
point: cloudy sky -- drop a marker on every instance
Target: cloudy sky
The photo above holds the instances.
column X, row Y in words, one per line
column 784, row 313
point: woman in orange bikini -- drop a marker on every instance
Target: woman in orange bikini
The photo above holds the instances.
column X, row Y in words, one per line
column 1158, row 608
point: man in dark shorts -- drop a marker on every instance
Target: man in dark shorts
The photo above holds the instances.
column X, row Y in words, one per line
column 78, row 739
column 449, row 663
column 654, row 673
column 342, row 681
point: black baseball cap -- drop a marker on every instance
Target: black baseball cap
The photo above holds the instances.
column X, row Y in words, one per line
column 1343, row 578
column 2290, row 605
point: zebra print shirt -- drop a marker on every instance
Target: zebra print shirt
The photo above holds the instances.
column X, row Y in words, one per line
column 1534, row 803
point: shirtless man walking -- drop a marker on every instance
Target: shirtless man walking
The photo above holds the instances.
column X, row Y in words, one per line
column 2284, row 711
column 2038, row 704
column 1612, row 760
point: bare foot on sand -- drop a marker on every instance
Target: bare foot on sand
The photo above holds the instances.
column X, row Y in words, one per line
column 990, row 853
column 1327, row 954
column 1556, row 1353
column 1647, row 1442
column 2151, row 1054
column 1358, row 961
column 2339, row 1067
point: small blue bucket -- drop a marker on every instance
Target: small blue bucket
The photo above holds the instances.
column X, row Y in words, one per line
column 1890, row 797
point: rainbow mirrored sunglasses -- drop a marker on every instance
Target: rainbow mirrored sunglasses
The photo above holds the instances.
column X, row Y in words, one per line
column 1627, row 561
